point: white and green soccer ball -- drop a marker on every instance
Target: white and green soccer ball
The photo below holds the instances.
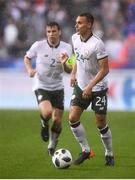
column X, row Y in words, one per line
column 62, row 159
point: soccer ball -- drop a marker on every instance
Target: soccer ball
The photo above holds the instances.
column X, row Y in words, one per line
column 62, row 158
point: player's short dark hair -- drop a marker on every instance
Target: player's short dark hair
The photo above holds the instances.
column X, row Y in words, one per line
column 89, row 17
column 53, row 23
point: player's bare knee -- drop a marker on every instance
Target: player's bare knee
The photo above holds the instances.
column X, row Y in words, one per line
column 47, row 114
column 73, row 118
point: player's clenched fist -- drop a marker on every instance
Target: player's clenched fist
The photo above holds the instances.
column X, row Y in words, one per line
column 63, row 57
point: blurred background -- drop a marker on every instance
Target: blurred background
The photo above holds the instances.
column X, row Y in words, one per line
column 22, row 22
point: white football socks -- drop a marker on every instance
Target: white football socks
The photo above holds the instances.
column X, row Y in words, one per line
column 79, row 134
column 107, row 142
column 53, row 140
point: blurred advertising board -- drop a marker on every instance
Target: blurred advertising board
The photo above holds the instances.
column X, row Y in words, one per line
column 121, row 90
column 16, row 90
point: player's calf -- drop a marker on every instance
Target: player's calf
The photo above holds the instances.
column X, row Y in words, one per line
column 45, row 130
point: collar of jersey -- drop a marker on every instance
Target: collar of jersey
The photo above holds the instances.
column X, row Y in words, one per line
column 87, row 38
column 52, row 45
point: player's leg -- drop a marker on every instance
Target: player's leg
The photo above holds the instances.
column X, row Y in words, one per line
column 57, row 100
column 79, row 134
column 106, row 137
column 99, row 105
column 55, row 130
column 78, row 104
column 77, row 127
column 45, row 107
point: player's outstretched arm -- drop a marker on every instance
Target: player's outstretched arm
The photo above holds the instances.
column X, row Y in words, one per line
column 28, row 66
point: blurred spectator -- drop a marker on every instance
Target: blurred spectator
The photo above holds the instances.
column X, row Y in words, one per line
column 10, row 33
column 109, row 10
column 3, row 18
column 22, row 22
column 35, row 24
column 57, row 13
column 14, row 10
column 113, row 43
column 3, row 51
column 40, row 6
column 98, row 30
column 126, row 57
column 130, row 13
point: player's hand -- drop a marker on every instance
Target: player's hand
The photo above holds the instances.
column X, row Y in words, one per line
column 63, row 57
column 87, row 92
column 73, row 80
column 32, row 72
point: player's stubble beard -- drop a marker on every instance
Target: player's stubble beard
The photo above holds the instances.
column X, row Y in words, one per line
column 53, row 41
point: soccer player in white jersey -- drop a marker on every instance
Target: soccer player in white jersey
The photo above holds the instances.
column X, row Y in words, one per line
column 48, row 80
column 90, row 87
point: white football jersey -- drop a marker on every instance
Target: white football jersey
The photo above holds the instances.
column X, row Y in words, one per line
column 87, row 56
column 49, row 74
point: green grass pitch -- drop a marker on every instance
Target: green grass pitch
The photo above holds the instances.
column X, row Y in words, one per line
column 23, row 155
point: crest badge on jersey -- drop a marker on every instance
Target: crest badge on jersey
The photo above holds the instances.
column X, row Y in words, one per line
column 40, row 97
